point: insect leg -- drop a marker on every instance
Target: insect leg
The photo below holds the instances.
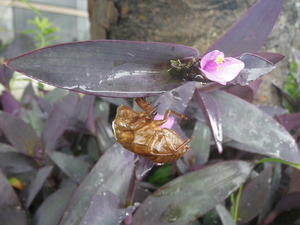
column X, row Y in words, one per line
column 166, row 116
column 184, row 143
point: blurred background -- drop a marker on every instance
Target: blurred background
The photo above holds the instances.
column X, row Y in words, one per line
column 70, row 16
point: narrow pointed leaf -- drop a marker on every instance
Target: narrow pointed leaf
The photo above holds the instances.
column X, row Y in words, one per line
column 200, row 143
column 58, row 121
column 73, row 167
column 255, row 67
column 225, row 216
column 187, row 197
column 255, row 196
column 19, row 134
column 10, row 207
column 112, row 172
column 252, row 30
column 105, row 68
column 16, row 162
column 270, row 56
column 10, row 104
column 176, row 100
column 51, row 210
column 37, row 183
column 105, row 210
column 257, row 131
column 212, row 113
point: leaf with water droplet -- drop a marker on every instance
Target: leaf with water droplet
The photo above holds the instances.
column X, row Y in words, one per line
column 192, row 195
column 253, row 130
column 112, row 172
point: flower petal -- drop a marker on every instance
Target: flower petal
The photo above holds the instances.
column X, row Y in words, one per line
column 211, row 56
column 217, row 68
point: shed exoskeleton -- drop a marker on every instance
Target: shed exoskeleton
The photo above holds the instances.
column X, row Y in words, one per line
column 140, row 133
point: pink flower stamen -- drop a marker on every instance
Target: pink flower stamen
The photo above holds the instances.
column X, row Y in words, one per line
column 215, row 67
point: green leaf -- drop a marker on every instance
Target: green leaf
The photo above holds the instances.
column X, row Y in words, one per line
column 161, row 175
column 295, row 165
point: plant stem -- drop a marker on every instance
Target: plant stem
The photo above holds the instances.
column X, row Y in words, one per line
column 237, row 204
column 132, row 188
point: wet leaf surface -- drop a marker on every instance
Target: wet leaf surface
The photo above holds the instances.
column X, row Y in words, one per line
column 255, row 67
column 185, row 198
column 255, row 196
column 105, row 68
column 112, row 172
column 51, row 210
column 105, row 209
column 212, row 113
column 256, row 131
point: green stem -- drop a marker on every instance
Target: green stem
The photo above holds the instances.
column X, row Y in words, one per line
column 237, row 204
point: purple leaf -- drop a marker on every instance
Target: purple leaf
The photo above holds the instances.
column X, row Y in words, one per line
column 255, row 67
column 192, row 195
column 84, row 118
column 59, row 120
column 51, row 210
column 244, row 92
column 112, row 172
column 252, row 30
column 212, row 113
column 284, row 95
column 257, row 131
column 142, row 167
column 104, row 134
column 11, row 210
column 255, row 196
column 10, row 104
column 73, row 167
column 273, row 110
column 19, row 134
column 15, row 162
column 105, row 209
column 37, row 183
column 289, row 202
column 289, row 121
column 176, row 100
column 105, row 68
column 200, row 143
column 270, row 56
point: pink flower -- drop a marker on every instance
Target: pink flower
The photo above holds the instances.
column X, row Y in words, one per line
column 216, row 67
column 167, row 124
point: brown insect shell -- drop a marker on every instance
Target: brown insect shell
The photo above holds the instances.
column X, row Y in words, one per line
column 138, row 133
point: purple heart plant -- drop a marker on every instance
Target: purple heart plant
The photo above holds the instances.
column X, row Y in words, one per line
column 60, row 163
